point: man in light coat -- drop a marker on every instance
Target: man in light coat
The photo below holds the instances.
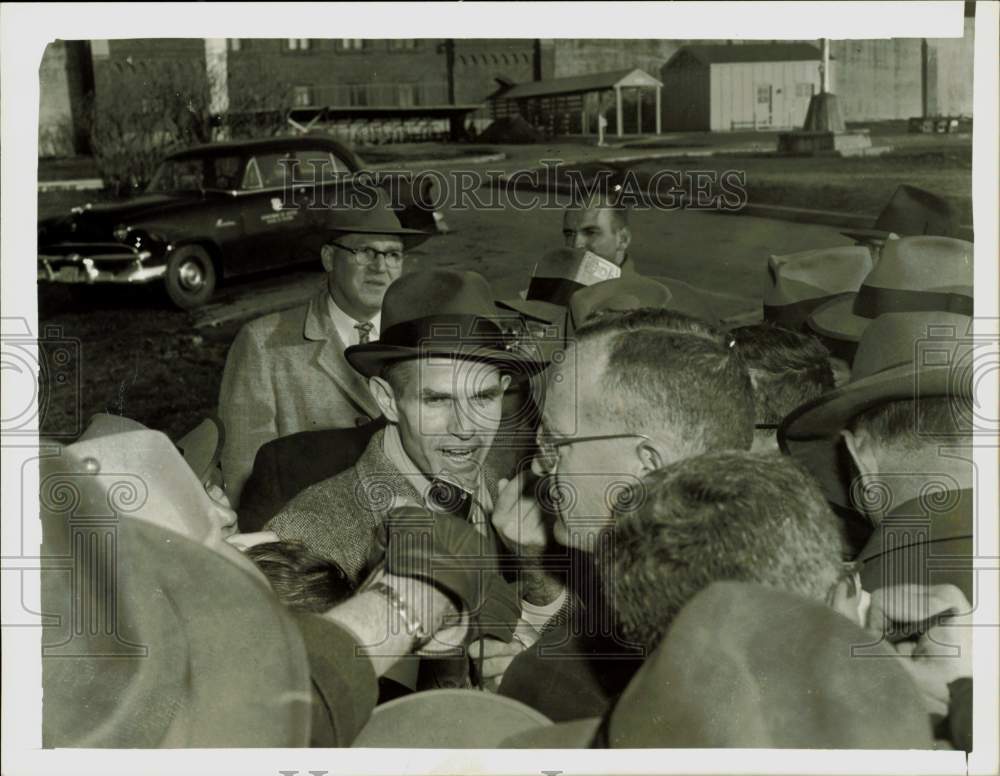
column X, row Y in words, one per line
column 286, row 372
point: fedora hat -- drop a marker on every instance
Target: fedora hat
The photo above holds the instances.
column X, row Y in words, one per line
column 461, row 719
column 629, row 292
column 800, row 282
column 147, row 474
column 367, row 211
column 441, row 313
column 200, row 447
column 153, row 639
column 901, row 356
column 910, row 211
column 780, row 674
column 914, row 274
column 556, row 278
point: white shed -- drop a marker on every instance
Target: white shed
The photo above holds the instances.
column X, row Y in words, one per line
column 737, row 87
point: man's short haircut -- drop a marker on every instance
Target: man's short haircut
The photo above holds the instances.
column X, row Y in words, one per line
column 913, row 424
column 605, row 192
column 787, row 368
column 301, row 579
column 750, row 517
column 673, row 377
column 396, row 374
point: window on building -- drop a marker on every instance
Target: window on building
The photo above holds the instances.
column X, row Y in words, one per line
column 763, row 94
column 357, row 94
column 409, row 95
column 352, row 44
column 298, row 44
column 805, row 90
column 234, row 44
column 302, row 96
column 402, row 44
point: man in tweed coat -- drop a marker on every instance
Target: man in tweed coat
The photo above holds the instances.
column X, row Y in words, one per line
column 438, row 373
column 286, row 372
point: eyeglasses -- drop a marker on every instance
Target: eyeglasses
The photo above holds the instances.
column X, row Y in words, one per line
column 548, row 448
column 365, row 256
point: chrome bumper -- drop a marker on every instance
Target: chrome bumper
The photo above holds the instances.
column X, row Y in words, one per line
column 83, row 269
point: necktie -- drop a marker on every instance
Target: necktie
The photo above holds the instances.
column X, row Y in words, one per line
column 364, row 331
column 445, row 497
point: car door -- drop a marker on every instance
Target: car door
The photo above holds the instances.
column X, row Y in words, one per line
column 270, row 218
column 223, row 210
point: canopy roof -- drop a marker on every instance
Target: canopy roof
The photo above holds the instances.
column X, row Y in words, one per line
column 578, row 84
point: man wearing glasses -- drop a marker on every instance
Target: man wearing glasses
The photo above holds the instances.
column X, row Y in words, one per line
column 286, row 372
column 635, row 392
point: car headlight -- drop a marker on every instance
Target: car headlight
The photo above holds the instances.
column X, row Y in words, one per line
column 121, row 232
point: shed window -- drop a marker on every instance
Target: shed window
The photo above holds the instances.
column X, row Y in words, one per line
column 804, row 90
column 763, row 94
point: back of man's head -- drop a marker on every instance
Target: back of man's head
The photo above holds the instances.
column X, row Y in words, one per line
column 671, row 377
column 787, row 369
column 731, row 515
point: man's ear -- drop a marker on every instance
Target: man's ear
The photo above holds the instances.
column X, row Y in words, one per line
column 624, row 240
column 862, row 451
column 504, row 383
column 327, row 254
column 650, row 458
column 385, row 397
column 851, row 606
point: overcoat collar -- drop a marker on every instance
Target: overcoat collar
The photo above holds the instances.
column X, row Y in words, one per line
column 319, row 327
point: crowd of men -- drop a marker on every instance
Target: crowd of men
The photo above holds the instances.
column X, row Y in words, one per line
column 595, row 515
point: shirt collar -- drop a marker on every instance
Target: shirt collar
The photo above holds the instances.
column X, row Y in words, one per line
column 392, row 446
column 344, row 324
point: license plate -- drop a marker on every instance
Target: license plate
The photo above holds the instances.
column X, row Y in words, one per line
column 68, row 275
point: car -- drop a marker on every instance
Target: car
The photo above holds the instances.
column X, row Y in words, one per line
column 212, row 213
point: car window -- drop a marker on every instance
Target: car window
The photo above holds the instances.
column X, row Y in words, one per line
column 265, row 171
column 224, row 172
column 178, row 175
column 320, row 163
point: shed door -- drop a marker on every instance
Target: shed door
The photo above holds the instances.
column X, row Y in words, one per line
column 763, row 109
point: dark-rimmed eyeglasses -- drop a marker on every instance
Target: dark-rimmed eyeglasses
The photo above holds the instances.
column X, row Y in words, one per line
column 365, row 256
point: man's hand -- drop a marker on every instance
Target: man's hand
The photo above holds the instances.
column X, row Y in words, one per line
column 497, row 656
column 519, row 519
column 943, row 651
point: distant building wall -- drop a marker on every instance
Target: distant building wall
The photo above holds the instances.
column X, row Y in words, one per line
column 65, row 77
column 951, row 63
column 877, row 79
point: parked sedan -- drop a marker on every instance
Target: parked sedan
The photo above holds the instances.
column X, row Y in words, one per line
column 210, row 213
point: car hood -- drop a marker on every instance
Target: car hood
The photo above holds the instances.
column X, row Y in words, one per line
column 98, row 221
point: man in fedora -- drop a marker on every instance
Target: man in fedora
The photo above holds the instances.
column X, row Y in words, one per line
column 902, row 426
column 286, row 372
column 438, row 373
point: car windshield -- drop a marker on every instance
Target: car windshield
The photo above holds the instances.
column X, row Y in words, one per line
column 196, row 174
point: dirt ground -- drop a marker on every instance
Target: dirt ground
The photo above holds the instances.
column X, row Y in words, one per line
column 133, row 354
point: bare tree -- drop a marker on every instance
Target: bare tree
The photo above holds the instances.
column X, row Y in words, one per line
column 141, row 111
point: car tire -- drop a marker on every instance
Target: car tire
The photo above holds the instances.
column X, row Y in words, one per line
column 190, row 277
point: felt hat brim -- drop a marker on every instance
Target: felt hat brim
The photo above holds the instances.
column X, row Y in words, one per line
column 812, row 432
column 202, row 447
column 537, row 309
column 836, row 319
column 99, row 698
column 410, row 238
column 868, row 235
column 459, row 719
column 370, row 358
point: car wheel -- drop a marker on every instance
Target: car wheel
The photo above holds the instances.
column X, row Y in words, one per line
column 190, row 277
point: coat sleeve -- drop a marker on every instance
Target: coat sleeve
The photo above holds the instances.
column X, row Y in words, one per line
column 247, row 407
